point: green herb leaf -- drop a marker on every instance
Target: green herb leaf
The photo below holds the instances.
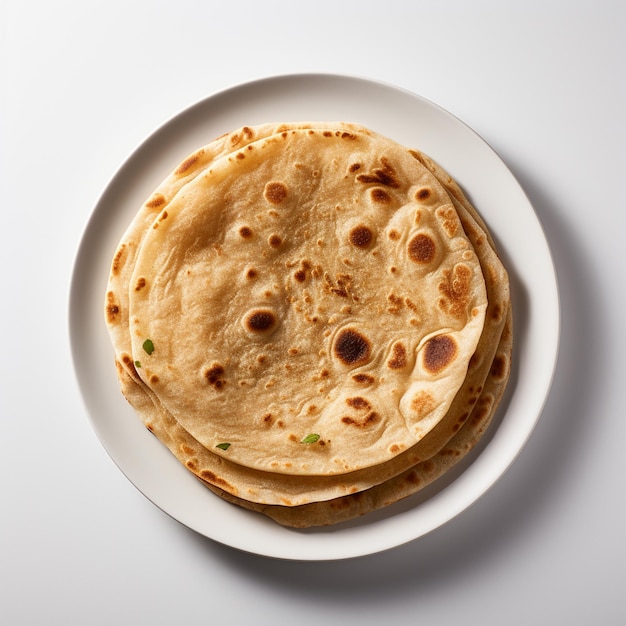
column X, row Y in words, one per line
column 148, row 346
column 223, row 446
column 312, row 438
column 137, row 363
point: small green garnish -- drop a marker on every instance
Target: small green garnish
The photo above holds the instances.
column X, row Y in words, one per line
column 223, row 446
column 148, row 346
column 312, row 438
column 137, row 363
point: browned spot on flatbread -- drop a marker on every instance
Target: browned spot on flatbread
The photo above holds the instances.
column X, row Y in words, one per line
column 112, row 308
column 398, row 359
column 363, row 379
column 384, row 175
column 380, row 196
column 275, row 241
column 371, row 418
column 140, row 284
column 260, row 321
column 246, row 134
column 351, row 347
column 412, row 478
column 156, row 201
column 215, row 376
column 456, row 289
column 422, row 248
column 118, row 260
column 449, row 220
column 275, row 192
column 188, row 163
column 130, row 364
column 358, row 403
column 439, row 352
column 499, row 367
column 423, row 194
column 423, row 404
column 361, row 236
column 214, row 479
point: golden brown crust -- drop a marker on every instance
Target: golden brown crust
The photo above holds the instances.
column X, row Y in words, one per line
column 410, row 467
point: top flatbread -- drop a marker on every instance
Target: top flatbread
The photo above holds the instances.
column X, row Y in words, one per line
column 313, row 282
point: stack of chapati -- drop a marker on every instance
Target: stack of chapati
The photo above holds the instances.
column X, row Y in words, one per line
column 312, row 318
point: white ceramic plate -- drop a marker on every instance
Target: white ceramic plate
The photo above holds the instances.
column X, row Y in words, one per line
column 412, row 121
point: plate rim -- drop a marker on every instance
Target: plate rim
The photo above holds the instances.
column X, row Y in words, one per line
column 300, row 550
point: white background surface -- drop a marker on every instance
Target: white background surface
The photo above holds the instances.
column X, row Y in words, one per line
column 82, row 84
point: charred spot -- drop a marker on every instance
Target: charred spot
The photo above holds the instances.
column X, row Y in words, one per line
column 327, row 133
column 393, row 234
column 385, row 176
column 423, row 404
column 355, row 167
column 496, row 312
column 154, row 379
column 275, row 241
column 187, row 164
column 163, row 216
column 116, row 266
column 363, row 379
column 260, row 321
column 358, row 403
column 156, row 201
column 245, row 232
column 479, row 414
column 398, row 359
column 395, row 303
column 361, row 236
column 112, row 308
column 380, row 195
column 498, row 367
column 215, row 376
column 423, row 194
column 300, row 276
column 275, row 192
column 340, row 287
column 214, row 479
column 439, row 352
column 456, row 288
column 246, row 133
column 351, row 347
column 130, row 364
column 422, row 249
column 449, row 219
column 412, row 478
column 251, row 273
column 141, row 283
column 371, row 418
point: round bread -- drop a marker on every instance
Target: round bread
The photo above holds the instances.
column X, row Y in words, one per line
column 250, row 486
column 321, row 280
